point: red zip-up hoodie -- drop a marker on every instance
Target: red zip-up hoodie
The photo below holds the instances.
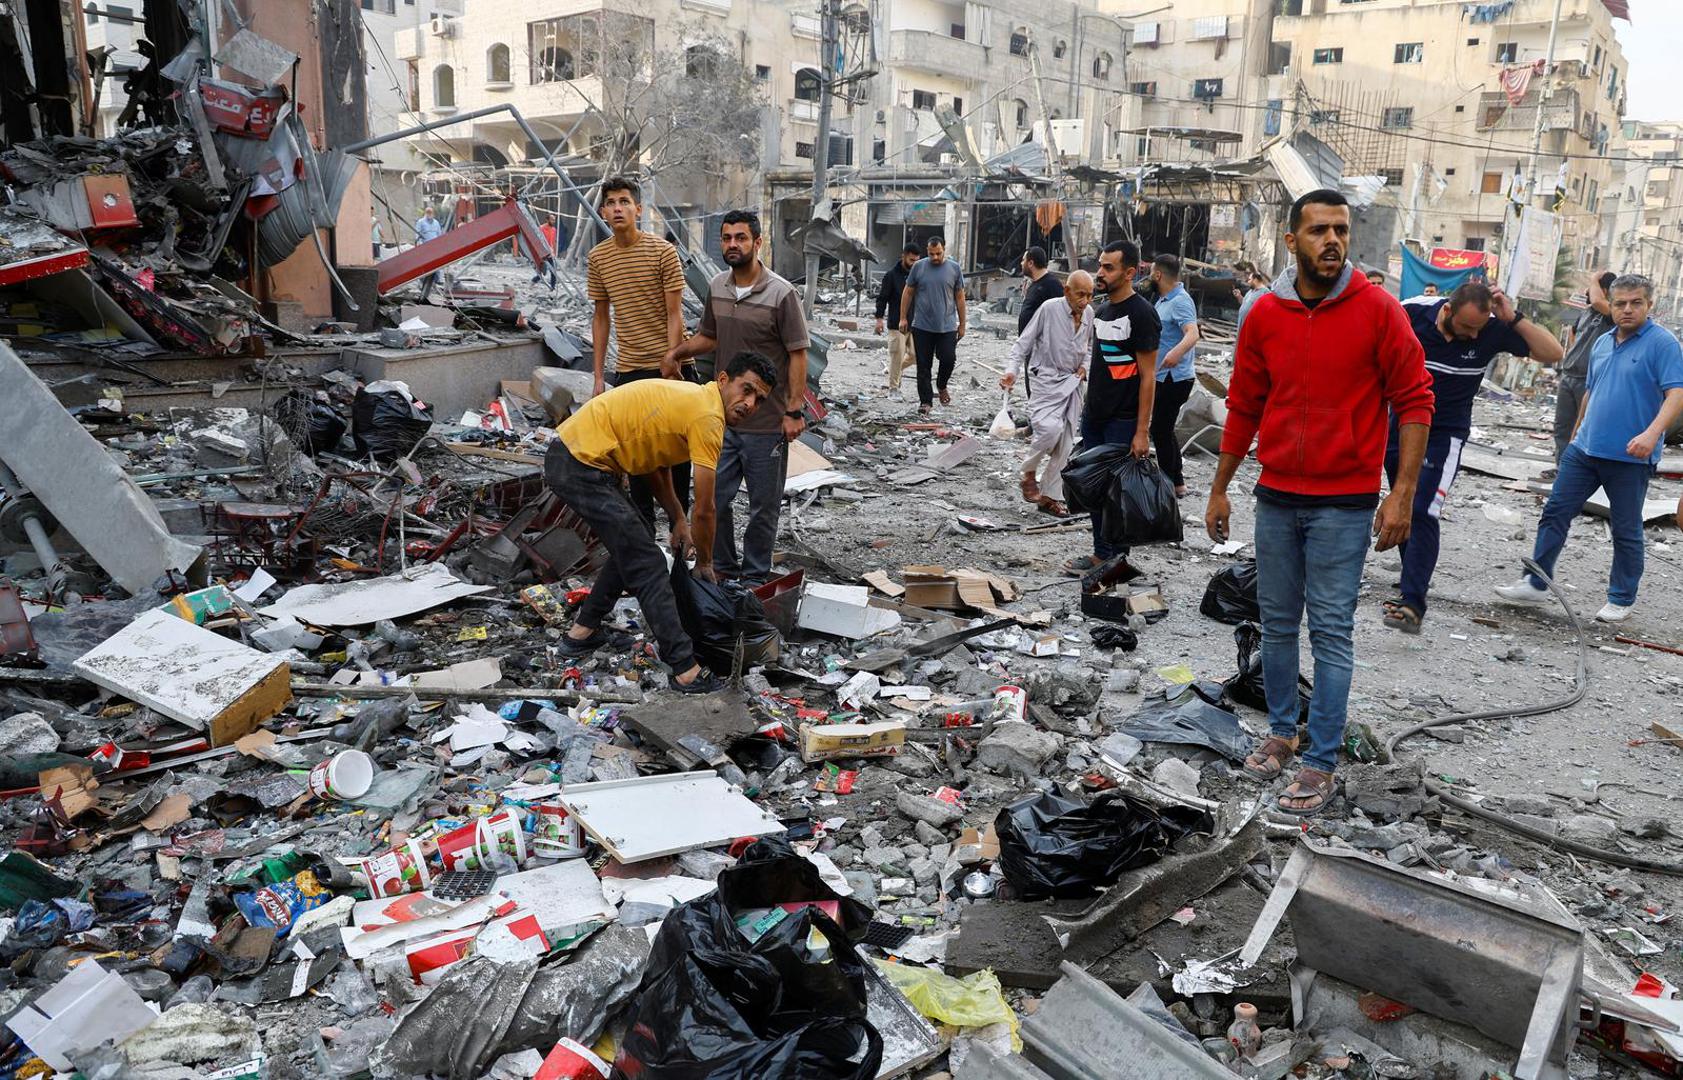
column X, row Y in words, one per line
column 1313, row 387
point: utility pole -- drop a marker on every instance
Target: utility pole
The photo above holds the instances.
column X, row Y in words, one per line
column 829, row 13
column 1543, row 95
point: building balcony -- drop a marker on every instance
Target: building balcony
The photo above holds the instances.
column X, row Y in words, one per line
column 939, row 54
column 1561, row 112
column 803, row 110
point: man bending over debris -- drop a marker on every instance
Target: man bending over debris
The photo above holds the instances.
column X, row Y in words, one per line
column 751, row 309
column 1632, row 397
column 1053, row 349
column 645, row 429
column 1317, row 363
column 1461, row 334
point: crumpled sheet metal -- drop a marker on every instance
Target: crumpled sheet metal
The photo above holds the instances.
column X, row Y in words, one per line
column 81, row 485
column 482, row 1010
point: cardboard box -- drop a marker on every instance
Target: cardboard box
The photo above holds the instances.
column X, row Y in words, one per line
column 821, row 742
column 954, row 590
column 843, row 611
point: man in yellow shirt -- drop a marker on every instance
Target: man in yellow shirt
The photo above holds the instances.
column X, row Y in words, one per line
column 644, row 429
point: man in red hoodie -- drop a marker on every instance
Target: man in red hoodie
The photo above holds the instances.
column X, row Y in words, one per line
column 1320, row 362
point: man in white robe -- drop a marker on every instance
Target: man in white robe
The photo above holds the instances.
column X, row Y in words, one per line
column 1052, row 353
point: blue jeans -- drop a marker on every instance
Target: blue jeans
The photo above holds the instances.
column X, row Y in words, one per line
column 1103, row 432
column 1290, row 541
column 1626, row 484
column 1437, row 474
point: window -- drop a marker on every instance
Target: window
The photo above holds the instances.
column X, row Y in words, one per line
column 803, row 150
column 1612, row 84
column 958, row 106
column 1393, row 177
column 921, row 99
column 443, row 87
column 1492, row 116
column 1323, row 116
column 809, row 87
column 497, row 64
column 1206, row 89
column 1329, row 56
column 1409, row 52
column 1059, row 48
column 1472, row 41
column 1595, row 64
column 414, row 86
column 956, row 30
column 1209, row 27
column 879, row 151
column 1398, row 116
column 1460, row 108
column 1491, row 184
column 1449, row 172
column 1507, row 52
column 1019, row 43
column 553, row 64
column 1143, row 89
column 93, row 14
column 701, row 62
column 1473, row 243
column 1279, row 57
column 1020, row 115
column 762, row 73
column 119, row 15
column 1101, row 66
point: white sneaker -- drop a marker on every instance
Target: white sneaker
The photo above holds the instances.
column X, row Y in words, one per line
column 897, row 394
column 1523, row 592
column 1613, row 613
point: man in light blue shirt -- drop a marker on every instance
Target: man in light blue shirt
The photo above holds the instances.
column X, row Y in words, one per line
column 1633, row 395
column 428, row 227
column 1177, row 352
column 932, row 309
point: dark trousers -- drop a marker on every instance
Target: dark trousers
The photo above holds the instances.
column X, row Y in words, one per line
column 1420, row 551
column 758, row 460
column 1165, row 410
column 635, row 562
column 1568, row 398
column 932, row 346
column 1100, row 432
column 642, row 489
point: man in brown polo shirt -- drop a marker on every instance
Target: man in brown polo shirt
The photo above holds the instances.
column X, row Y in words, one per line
column 751, row 309
column 636, row 283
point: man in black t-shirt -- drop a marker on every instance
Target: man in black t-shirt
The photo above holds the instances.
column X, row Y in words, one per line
column 1122, row 379
column 1043, row 285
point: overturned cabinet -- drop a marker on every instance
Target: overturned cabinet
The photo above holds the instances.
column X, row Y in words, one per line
column 1490, row 960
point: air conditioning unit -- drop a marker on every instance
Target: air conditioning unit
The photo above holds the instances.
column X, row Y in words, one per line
column 443, row 26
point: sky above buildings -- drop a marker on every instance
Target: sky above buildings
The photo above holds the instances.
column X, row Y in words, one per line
column 1650, row 42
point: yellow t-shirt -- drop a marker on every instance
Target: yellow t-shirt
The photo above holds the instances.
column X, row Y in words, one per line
column 647, row 425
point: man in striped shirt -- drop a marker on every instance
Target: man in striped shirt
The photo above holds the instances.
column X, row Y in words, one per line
column 634, row 279
column 1461, row 335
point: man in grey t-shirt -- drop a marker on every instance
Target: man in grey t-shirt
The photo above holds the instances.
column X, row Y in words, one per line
column 1569, row 395
column 932, row 308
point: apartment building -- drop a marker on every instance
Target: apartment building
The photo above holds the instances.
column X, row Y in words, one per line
column 1408, row 90
column 111, row 31
column 396, row 166
column 1645, row 218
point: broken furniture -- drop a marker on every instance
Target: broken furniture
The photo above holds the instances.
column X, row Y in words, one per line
column 546, row 535
column 1497, row 963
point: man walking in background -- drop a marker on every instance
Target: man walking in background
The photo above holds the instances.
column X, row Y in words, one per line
column 888, row 314
column 1596, row 320
column 932, row 309
column 1053, row 352
column 1043, row 285
column 428, row 227
column 1461, row 335
column 1175, row 368
column 1320, row 361
column 1633, row 396
column 1122, row 379
column 752, row 310
column 635, row 282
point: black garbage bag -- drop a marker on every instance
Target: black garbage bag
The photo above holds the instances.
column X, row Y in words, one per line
column 1116, row 637
column 1087, row 477
column 1192, row 718
column 1053, row 846
column 387, row 423
column 1246, row 688
column 789, row 1004
column 1141, row 506
column 1230, row 596
column 722, row 618
column 312, row 425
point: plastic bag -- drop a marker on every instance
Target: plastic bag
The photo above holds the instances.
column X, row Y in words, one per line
column 973, row 1001
column 1052, row 846
column 312, row 425
column 1087, row 477
column 1230, row 596
column 1246, row 688
column 1116, row 637
column 1004, row 427
column 1191, row 718
column 721, row 618
column 787, row 1005
column 387, row 422
column 1142, row 507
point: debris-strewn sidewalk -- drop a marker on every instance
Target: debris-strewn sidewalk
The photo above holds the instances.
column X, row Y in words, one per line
column 298, row 781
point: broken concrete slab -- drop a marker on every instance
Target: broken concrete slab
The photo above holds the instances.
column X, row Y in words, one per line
column 1013, row 939
column 1017, row 748
column 1083, row 1028
column 82, row 486
column 1390, row 791
column 357, row 603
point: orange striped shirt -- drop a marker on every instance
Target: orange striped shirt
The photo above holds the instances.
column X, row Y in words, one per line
column 634, row 281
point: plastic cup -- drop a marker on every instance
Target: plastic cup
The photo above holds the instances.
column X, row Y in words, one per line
column 345, row 775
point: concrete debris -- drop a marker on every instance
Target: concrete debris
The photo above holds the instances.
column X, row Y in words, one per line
column 1016, row 748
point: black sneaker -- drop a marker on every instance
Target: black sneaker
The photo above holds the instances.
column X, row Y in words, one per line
column 576, row 647
column 705, row 682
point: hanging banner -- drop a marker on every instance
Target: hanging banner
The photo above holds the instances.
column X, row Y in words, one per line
column 1417, row 273
column 1454, row 258
column 1531, row 258
column 1517, row 80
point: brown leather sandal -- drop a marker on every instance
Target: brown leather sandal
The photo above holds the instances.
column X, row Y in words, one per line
column 1030, row 488
column 1049, row 505
column 1270, row 758
column 1309, row 786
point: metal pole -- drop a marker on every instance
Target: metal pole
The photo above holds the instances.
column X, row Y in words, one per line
column 821, row 146
column 1542, row 99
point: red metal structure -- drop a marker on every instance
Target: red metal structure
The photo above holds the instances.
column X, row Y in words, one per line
column 508, row 220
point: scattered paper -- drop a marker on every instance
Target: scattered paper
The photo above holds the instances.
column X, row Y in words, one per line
column 255, row 586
